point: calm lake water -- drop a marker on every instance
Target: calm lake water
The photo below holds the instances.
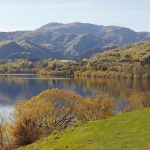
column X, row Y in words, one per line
column 20, row 87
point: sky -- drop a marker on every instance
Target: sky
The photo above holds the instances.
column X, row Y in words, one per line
column 31, row 14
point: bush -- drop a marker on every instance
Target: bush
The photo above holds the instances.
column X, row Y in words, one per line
column 54, row 110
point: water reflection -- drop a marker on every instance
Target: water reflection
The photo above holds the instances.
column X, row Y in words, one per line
column 13, row 88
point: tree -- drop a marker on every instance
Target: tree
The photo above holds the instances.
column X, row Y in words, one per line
column 53, row 110
column 4, row 134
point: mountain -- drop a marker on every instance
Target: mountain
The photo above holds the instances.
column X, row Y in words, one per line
column 66, row 41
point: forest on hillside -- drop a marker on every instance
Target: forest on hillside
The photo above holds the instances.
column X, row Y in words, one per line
column 131, row 62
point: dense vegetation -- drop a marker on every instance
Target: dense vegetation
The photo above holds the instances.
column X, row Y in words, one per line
column 42, row 67
column 131, row 61
column 125, row 131
column 52, row 110
column 125, row 62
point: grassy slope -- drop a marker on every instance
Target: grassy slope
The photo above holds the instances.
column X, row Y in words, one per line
column 122, row 132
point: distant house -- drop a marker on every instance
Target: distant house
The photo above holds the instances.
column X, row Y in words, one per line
column 67, row 61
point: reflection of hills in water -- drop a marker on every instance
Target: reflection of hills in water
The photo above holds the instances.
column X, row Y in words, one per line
column 24, row 87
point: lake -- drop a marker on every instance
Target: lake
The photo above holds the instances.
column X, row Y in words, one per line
column 21, row 87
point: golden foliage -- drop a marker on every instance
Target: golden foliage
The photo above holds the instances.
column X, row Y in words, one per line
column 54, row 110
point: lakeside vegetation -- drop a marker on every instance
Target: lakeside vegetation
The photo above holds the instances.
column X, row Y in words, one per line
column 131, row 62
column 52, row 110
column 48, row 67
column 125, row 131
column 55, row 110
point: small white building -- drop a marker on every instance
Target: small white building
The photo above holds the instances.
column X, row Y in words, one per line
column 67, row 61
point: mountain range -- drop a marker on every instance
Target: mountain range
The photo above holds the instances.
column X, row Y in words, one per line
column 66, row 41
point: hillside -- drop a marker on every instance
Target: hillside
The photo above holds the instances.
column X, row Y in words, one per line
column 25, row 49
column 125, row 131
column 132, row 61
column 134, row 52
column 66, row 41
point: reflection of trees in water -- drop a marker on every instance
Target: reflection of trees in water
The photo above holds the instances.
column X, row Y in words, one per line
column 138, row 100
column 113, row 87
column 12, row 81
column 117, row 89
column 14, row 88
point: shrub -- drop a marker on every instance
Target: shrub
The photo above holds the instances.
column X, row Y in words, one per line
column 54, row 110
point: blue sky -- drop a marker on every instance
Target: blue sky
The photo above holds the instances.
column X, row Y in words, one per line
column 31, row 14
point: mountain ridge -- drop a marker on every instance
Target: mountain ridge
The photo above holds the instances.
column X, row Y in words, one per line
column 69, row 41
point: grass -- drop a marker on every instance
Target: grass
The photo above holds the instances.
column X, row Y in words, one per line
column 128, row 131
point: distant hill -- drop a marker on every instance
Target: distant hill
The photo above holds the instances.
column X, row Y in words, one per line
column 66, row 41
column 25, row 49
column 130, row 53
column 132, row 61
column 125, row 131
